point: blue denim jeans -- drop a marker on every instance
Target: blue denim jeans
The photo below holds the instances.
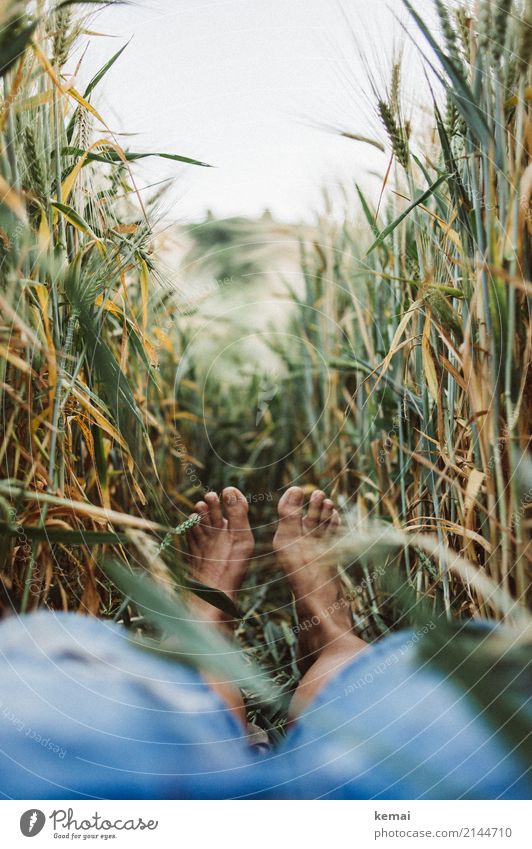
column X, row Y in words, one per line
column 84, row 714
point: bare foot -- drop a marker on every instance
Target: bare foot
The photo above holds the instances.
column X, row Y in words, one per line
column 220, row 547
column 304, row 544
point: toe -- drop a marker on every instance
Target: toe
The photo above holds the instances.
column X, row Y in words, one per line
column 194, row 544
column 236, row 509
column 202, row 510
column 327, row 511
column 311, row 520
column 290, row 508
column 216, row 519
column 196, row 530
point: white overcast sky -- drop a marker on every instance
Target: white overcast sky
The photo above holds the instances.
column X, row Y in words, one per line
column 239, row 84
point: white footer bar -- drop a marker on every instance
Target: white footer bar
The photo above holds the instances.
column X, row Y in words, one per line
column 267, row 825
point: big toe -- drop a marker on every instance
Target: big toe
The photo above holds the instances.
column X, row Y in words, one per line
column 236, row 509
column 290, row 508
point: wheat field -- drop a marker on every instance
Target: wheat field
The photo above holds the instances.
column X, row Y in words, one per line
column 401, row 385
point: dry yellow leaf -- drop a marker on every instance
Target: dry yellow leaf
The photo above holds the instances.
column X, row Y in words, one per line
column 13, row 200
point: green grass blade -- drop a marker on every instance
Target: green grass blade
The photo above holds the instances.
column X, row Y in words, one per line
column 194, row 643
column 111, row 156
column 102, row 72
column 462, row 94
column 421, row 199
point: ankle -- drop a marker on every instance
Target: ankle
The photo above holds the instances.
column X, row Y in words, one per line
column 317, row 632
column 330, row 641
column 205, row 613
column 321, row 614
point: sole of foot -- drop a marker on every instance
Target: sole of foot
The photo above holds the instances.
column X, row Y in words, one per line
column 220, row 546
column 305, row 547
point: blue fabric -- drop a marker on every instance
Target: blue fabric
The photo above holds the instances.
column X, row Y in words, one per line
column 83, row 714
column 386, row 727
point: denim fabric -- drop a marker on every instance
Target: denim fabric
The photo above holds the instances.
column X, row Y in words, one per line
column 84, row 714
column 387, row 727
